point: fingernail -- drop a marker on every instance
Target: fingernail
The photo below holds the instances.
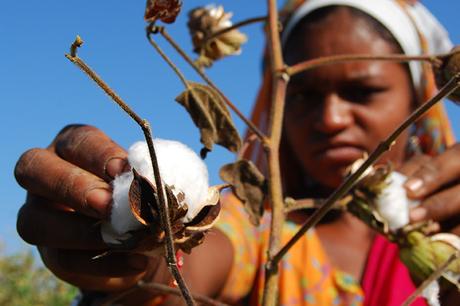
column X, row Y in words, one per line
column 98, row 200
column 418, row 214
column 137, row 262
column 115, row 166
column 414, row 185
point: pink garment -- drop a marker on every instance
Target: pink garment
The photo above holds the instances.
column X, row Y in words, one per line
column 386, row 281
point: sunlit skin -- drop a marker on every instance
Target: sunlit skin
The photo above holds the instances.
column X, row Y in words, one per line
column 337, row 113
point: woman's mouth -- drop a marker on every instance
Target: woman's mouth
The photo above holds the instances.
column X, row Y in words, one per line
column 342, row 154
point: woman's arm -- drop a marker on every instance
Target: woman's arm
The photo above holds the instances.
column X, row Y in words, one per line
column 69, row 192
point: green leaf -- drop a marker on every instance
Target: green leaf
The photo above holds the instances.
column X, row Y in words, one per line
column 249, row 185
column 210, row 114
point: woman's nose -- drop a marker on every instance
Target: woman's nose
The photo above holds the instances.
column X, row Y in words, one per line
column 334, row 115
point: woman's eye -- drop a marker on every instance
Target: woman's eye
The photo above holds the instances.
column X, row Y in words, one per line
column 303, row 97
column 361, row 94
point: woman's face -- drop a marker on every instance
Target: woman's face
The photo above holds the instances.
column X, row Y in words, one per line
column 337, row 113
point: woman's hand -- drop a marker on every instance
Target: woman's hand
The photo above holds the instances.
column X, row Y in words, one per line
column 435, row 181
column 68, row 193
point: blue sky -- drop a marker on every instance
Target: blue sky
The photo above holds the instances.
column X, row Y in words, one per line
column 41, row 91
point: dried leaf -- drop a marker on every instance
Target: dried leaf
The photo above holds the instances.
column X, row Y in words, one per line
column 211, row 116
column 164, row 10
column 249, row 185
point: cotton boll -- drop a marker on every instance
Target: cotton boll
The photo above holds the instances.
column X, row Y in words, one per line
column 393, row 204
column 179, row 167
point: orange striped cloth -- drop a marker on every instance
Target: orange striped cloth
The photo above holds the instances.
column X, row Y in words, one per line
column 306, row 277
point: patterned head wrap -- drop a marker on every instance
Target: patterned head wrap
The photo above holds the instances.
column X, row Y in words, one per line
column 415, row 29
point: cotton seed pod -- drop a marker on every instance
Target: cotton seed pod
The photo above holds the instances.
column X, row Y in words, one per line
column 193, row 206
column 424, row 254
column 447, row 69
column 203, row 23
column 164, row 10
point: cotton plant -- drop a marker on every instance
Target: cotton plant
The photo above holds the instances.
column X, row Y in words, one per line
column 155, row 208
column 185, row 177
column 380, row 200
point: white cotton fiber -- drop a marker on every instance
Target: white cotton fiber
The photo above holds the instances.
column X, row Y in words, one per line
column 179, row 167
column 393, row 204
column 431, row 294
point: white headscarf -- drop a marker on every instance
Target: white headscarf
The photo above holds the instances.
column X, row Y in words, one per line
column 395, row 18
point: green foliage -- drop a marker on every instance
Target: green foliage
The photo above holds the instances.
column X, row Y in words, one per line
column 23, row 282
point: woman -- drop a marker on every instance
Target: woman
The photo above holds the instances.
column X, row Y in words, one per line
column 334, row 115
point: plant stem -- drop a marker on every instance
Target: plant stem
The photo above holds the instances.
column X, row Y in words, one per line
column 384, row 146
column 168, row 60
column 164, row 213
column 270, row 295
column 170, row 40
column 169, row 290
column 309, row 203
column 337, row 59
column 231, row 28
column 433, row 277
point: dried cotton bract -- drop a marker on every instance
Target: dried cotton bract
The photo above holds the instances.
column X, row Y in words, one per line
column 184, row 175
column 448, row 68
column 164, row 10
column 203, row 23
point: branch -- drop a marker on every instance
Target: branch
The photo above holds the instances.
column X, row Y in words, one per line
column 294, row 205
column 433, row 277
column 280, row 81
column 169, row 61
column 384, row 146
column 151, row 29
column 337, row 59
column 145, row 126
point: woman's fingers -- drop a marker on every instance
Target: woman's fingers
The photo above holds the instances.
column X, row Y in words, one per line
column 413, row 164
column 443, row 207
column 434, row 181
column 115, row 271
column 441, row 170
column 44, row 174
column 89, row 148
column 40, row 224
